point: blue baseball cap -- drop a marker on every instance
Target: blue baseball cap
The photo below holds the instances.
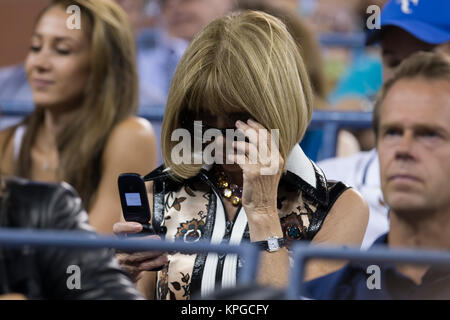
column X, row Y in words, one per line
column 427, row 20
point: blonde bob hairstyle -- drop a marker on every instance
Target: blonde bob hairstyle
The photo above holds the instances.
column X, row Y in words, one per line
column 243, row 63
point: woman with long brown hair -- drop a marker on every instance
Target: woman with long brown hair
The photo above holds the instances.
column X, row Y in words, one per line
column 85, row 89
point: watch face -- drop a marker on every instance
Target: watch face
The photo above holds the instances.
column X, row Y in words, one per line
column 272, row 244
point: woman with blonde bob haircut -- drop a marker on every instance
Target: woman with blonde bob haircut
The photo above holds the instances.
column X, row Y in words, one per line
column 241, row 72
column 85, row 89
column 214, row 76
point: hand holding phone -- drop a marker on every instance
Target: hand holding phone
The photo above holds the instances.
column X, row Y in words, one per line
column 134, row 263
column 135, row 207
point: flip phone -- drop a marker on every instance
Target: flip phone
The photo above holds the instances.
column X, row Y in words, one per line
column 134, row 200
column 135, row 207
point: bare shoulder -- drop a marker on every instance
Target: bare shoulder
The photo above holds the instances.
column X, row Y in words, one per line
column 132, row 146
column 351, row 196
column 133, row 132
column 346, row 221
column 351, row 205
column 133, row 126
column 345, row 225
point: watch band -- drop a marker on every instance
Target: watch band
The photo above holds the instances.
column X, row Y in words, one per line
column 271, row 244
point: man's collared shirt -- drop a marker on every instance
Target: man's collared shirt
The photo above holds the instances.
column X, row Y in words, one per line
column 352, row 283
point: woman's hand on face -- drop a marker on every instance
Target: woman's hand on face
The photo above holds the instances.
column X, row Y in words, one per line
column 138, row 262
column 262, row 168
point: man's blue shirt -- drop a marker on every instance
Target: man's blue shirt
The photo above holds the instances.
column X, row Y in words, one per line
column 351, row 283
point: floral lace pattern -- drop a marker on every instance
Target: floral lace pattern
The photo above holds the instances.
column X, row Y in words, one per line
column 185, row 219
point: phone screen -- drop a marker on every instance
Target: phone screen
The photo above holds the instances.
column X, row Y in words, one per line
column 133, row 199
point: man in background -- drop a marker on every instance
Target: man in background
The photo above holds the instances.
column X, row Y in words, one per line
column 423, row 27
column 411, row 120
column 178, row 23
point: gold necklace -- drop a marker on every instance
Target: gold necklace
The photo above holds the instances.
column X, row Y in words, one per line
column 230, row 191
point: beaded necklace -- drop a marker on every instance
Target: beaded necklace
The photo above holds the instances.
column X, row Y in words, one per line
column 230, row 191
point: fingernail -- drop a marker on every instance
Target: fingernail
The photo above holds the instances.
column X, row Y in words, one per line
column 250, row 121
column 239, row 123
column 135, row 225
